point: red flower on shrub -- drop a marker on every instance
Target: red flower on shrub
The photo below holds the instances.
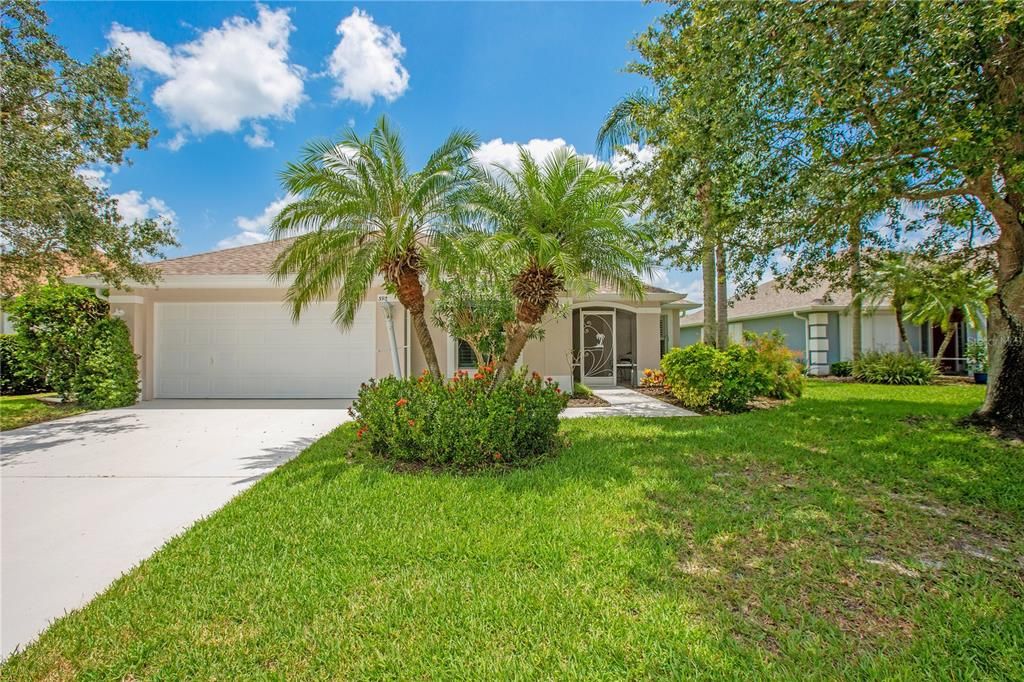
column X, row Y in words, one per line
column 478, row 376
column 360, row 432
column 412, row 422
column 558, row 390
column 497, row 456
column 549, row 380
column 401, row 402
column 536, row 376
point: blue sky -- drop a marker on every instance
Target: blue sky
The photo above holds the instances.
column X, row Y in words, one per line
column 235, row 89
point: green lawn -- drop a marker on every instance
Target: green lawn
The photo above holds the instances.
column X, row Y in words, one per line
column 857, row 533
column 21, row 410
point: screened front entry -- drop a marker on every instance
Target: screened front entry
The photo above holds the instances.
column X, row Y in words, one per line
column 603, row 346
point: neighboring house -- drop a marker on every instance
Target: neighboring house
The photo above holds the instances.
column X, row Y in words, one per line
column 216, row 326
column 817, row 326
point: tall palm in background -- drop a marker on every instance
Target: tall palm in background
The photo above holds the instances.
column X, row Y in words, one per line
column 561, row 225
column 947, row 289
column 894, row 276
column 361, row 213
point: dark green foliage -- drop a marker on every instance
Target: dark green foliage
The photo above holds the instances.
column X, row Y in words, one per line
column 467, row 421
column 52, row 324
column 894, row 368
column 582, row 391
column 15, row 379
column 704, row 377
column 843, row 368
column 780, row 376
column 60, row 117
column 108, row 375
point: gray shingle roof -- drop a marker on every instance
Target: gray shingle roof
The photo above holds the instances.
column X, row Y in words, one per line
column 769, row 298
column 256, row 259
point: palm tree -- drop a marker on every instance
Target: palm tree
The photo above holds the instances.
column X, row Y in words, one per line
column 628, row 122
column 361, row 213
column 893, row 276
column 945, row 289
column 561, row 225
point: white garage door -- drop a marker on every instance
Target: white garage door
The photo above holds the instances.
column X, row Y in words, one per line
column 253, row 350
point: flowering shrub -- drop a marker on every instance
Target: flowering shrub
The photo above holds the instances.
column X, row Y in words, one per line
column 652, row 377
column 779, row 375
column 468, row 420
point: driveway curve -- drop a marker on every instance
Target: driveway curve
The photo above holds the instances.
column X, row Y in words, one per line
column 84, row 499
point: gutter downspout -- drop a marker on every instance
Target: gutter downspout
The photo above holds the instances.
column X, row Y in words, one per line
column 807, row 342
column 390, row 322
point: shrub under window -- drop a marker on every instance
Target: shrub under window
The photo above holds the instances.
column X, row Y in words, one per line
column 466, row 421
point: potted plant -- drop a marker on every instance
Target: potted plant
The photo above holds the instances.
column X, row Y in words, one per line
column 976, row 353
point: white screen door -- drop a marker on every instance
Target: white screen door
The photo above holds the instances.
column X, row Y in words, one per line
column 597, row 341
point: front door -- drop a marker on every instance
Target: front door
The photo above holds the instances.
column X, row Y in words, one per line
column 597, row 341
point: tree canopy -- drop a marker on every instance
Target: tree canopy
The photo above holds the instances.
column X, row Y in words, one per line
column 58, row 117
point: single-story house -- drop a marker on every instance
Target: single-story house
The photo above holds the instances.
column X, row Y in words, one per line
column 216, row 326
column 817, row 326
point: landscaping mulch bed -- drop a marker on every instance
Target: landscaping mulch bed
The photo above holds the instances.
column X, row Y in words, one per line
column 661, row 393
column 664, row 395
column 589, row 401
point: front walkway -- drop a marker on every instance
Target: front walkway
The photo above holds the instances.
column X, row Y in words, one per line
column 625, row 402
column 84, row 499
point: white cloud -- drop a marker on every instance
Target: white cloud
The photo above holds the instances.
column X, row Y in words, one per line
column 367, row 61
column 227, row 75
column 95, row 178
column 176, row 142
column 631, row 155
column 255, row 230
column 498, row 152
column 132, row 206
column 258, row 139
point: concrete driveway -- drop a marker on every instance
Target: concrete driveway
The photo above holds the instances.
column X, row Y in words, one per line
column 84, row 499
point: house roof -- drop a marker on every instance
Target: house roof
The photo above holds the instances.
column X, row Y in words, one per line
column 257, row 259
column 254, row 259
column 771, row 299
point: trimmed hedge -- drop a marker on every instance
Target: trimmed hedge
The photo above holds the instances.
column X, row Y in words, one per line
column 466, row 421
column 894, row 368
column 15, row 377
column 704, row 377
column 843, row 368
column 108, row 374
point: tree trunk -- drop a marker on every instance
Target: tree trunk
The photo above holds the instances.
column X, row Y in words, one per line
column 419, row 326
column 901, row 327
column 721, row 295
column 857, row 304
column 941, row 352
column 410, row 295
column 515, row 341
column 1004, row 399
column 710, row 328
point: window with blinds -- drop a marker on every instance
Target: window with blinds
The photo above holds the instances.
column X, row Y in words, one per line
column 464, row 357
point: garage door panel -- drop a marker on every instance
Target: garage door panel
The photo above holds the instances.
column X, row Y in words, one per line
column 253, row 350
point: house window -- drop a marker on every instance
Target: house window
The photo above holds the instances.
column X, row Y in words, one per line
column 464, row 356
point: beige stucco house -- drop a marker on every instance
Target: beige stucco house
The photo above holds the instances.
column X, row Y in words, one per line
column 215, row 326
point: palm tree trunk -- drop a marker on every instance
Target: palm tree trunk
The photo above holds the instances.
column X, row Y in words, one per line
column 514, row 344
column 410, row 295
column 721, row 295
column 901, row 327
column 419, row 326
column 939, row 354
column 857, row 304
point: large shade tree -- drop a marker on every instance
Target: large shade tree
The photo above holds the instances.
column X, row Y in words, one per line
column 562, row 225
column 59, row 119
column 905, row 101
column 361, row 212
